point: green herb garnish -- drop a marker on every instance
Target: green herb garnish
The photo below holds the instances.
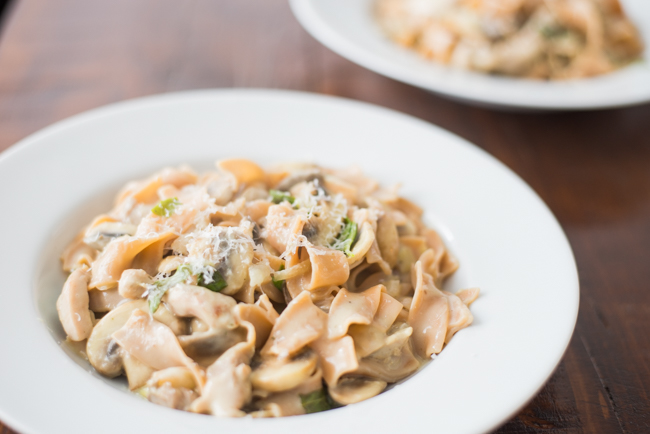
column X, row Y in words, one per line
column 280, row 196
column 218, row 282
column 278, row 283
column 550, row 32
column 159, row 288
column 166, row 207
column 317, row 401
column 184, row 272
column 347, row 237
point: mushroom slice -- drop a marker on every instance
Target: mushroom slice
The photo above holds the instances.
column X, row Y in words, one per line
column 388, row 239
column 206, row 347
column 228, row 387
column 236, row 268
column 103, row 352
column 289, row 403
column 72, row 306
column 351, row 390
column 277, row 375
column 154, row 344
column 299, row 176
column 100, row 235
column 363, row 244
column 136, row 372
column 219, row 328
column 213, row 308
column 177, row 325
column 392, row 362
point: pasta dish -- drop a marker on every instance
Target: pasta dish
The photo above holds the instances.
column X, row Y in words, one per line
column 542, row 39
column 267, row 293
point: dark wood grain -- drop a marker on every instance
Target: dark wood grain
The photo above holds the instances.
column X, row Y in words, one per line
column 61, row 57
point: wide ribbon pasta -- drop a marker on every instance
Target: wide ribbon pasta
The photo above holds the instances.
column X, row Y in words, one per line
column 263, row 292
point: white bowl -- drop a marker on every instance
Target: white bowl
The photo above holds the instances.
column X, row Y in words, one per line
column 348, row 28
column 507, row 241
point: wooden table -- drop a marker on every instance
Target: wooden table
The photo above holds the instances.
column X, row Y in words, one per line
column 61, row 57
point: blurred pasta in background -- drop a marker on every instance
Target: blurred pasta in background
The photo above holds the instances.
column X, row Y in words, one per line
column 541, row 39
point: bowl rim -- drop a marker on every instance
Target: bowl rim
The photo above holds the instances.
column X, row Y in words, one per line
column 291, row 97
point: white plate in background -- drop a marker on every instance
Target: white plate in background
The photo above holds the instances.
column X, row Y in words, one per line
column 507, row 241
column 348, row 28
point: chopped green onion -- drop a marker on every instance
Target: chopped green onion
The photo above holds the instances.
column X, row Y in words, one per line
column 278, row 283
column 347, row 237
column 551, row 32
column 317, row 401
column 218, row 282
column 158, row 289
column 166, row 207
column 280, row 196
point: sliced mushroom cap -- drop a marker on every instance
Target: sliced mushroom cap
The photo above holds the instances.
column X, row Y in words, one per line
column 137, row 373
column 394, row 361
column 277, row 375
column 103, row 352
column 100, row 235
column 363, row 244
column 388, row 239
column 299, row 176
column 178, row 325
column 72, row 306
column 236, row 267
column 212, row 308
column 206, row 347
column 356, row 389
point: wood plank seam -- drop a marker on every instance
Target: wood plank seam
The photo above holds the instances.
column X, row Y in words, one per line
column 602, row 382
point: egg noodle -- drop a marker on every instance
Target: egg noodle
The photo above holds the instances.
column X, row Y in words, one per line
column 268, row 293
